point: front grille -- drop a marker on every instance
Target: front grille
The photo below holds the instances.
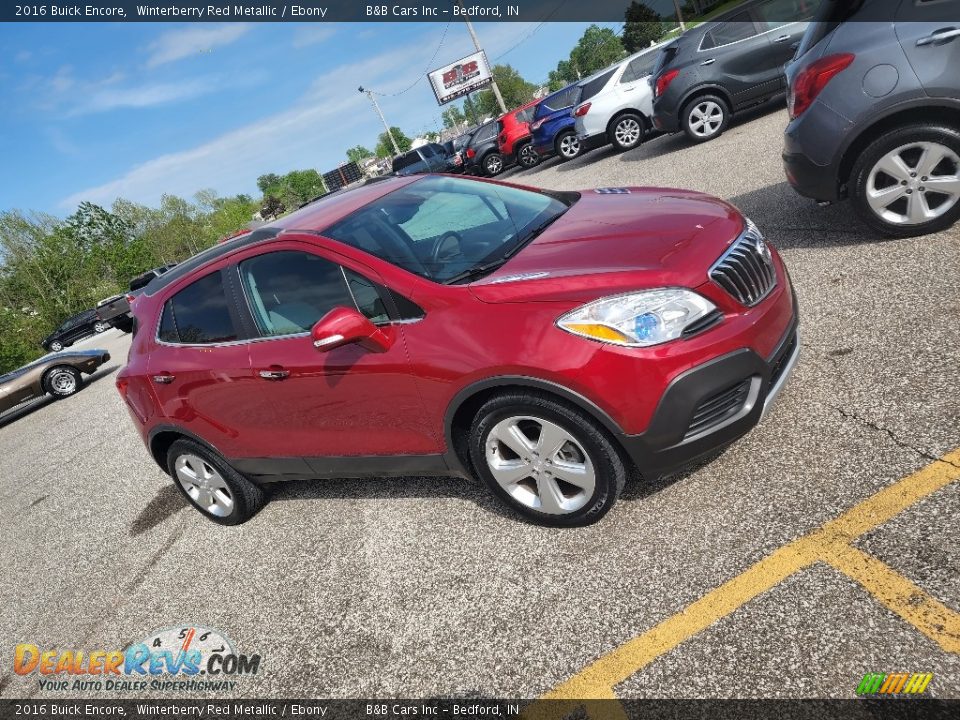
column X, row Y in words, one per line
column 718, row 408
column 746, row 269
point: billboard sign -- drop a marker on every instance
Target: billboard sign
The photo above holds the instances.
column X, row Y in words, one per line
column 461, row 77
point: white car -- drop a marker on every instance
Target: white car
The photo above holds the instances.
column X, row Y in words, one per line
column 621, row 113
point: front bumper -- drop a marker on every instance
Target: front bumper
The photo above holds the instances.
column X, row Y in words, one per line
column 713, row 404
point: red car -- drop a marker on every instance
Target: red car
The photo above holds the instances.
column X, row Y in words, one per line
column 515, row 138
column 552, row 343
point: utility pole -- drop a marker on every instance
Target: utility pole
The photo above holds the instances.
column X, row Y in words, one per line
column 476, row 44
column 676, row 4
column 386, row 127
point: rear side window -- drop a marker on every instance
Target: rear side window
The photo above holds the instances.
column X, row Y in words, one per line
column 198, row 314
column 665, row 57
column 557, row 102
column 484, row 133
column 639, row 68
column 592, row 87
column 739, row 27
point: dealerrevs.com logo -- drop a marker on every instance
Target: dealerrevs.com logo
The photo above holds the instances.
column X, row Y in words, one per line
column 889, row 684
column 182, row 658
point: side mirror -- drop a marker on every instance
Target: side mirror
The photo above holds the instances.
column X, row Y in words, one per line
column 343, row 326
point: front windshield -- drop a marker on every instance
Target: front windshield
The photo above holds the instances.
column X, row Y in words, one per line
column 442, row 227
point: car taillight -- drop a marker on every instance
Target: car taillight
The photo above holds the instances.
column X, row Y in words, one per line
column 810, row 81
column 536, row 124
column 130, row 299
column 122, row 385
column 663, row 82
column 582, row 110
column 471, row 153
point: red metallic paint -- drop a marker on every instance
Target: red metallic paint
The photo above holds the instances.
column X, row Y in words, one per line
column 354, row 401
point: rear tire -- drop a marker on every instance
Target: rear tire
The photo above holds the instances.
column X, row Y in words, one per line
column 527, row 157
column 100, row 327
column 885, row 202
column 62, row 381
column 56, row 346
column 705, row 118
column 492, row 164
column 211, row 486
column 565, row 471
column 626, row 131
column 567, row 146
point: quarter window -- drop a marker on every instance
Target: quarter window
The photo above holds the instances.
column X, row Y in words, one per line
column 639, row 68
column 198, row 314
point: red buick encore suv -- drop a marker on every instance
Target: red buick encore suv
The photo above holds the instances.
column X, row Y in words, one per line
column 551, row 343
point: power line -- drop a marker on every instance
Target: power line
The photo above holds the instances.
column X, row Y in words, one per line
column 427, row 70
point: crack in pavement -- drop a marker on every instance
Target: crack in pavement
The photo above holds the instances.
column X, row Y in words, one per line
column 889, row 433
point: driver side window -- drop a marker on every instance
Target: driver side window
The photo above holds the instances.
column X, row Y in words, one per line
column 289, row 291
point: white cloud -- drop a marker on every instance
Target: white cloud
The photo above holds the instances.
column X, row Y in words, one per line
column 178, row 44
column 141, row 96
column 311, row 34
column 23, row 56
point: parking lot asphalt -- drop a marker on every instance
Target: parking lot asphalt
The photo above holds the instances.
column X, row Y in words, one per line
column 822, row 546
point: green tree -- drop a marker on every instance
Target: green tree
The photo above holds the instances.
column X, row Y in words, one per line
column 515, row 91
column 453, row 117
column 384, row 147
column 642, row 28
column 358, row 153
column 597, row 48
column 265, row 182
column 564, row 75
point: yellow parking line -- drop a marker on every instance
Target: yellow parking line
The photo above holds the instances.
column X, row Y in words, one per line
column 929, row 616
column 599, row 679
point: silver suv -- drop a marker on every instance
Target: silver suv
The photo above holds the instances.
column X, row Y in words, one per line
column 620, row 111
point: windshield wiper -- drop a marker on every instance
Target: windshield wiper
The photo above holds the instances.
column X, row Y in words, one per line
column 486, row 268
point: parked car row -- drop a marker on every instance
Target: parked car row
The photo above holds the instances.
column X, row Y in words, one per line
column 874, row 106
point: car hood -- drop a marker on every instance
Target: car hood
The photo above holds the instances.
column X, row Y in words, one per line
column 618, row 239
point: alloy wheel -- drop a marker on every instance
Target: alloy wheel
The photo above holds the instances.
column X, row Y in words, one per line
column 627, row 132
column 540, row 465
column 705, row 118
column 914, row 183
column 494, row 164
column 204, row 485
column 569, row 146
column 56, row 346
column 528, row 156
column 63, row 382
column 100, row 327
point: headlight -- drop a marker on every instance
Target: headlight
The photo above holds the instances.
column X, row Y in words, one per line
column 639, row 319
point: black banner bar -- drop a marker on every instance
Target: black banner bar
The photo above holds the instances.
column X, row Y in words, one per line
column 472, row 709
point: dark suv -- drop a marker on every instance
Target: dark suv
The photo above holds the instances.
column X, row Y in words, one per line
column 724, row 66
column 72, row 329
column 875, row 113
column 481, row 155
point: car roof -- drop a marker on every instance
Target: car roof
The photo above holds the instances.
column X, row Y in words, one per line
column 312, row 217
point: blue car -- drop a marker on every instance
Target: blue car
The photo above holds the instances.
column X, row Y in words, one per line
column 553, row 124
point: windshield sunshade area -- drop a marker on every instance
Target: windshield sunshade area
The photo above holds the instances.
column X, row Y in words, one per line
column 441, row 227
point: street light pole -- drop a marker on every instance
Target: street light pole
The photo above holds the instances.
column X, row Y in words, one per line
column 676, row 4
column 476, row 44
column 386, row 127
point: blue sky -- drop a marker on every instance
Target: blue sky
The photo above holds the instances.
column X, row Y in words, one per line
column 100, row 111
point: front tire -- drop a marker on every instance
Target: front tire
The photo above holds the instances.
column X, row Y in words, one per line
column 56, row 346
column 906, row 183
column 100, row 327
column 567, row 145
column 705, row 118
column 626, row 131
column 545, row 459
column 527, row 157
column 492, row 164
column 63, row 381
column 214, row 488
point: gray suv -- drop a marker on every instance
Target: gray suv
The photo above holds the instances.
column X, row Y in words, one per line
column 875, row 112
column 726, row 65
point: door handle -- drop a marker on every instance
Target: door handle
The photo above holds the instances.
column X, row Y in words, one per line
column 940, row 36
column 782, row 38
column 711, row 61
column 164, row 378
column 628, row 89
column 274, row 374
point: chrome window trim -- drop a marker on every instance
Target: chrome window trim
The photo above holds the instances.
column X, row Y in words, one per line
column 717, row 47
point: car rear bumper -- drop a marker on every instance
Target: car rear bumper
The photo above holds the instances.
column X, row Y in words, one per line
column 664, row 121
column 809, row 179
column 713, row 404
column 592, row 142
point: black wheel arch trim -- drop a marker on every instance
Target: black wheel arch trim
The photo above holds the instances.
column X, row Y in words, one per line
column 693, row 93
column 182, row 432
